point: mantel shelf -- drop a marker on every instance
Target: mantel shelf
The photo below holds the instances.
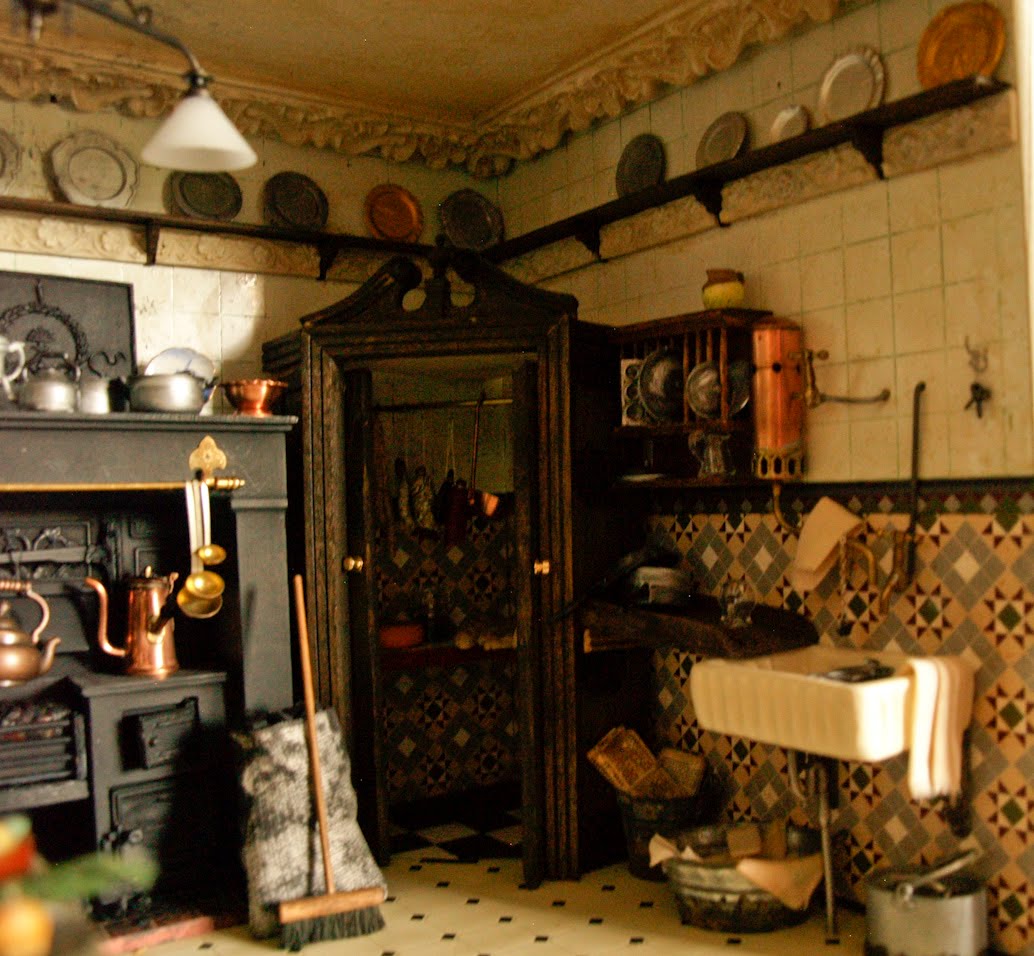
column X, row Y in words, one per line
column 864, row 131
column 327, row 244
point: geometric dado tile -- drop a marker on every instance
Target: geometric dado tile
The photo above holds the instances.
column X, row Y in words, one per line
column 973, row 595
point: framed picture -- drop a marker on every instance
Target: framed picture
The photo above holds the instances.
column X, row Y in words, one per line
column 87, row 322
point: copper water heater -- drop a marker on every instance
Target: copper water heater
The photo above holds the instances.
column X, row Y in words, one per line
column 778, row 400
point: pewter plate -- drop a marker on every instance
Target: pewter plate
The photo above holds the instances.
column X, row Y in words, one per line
column 10, row 161
column 724, row 139
column 205, row 195
column 704, row 391
column 641, row 165
column 789, row 122
column 470, row 221
column 293, row 201
column 853, row 84
column 92, row 170
column 660, row 386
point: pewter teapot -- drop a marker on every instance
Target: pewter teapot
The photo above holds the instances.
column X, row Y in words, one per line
column 20, row 656
column 149, row 646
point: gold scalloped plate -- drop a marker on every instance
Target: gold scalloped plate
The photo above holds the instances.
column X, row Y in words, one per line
column 967, row 39
column 393, row 212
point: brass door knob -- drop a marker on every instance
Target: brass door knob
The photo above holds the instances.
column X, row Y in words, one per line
column 541, row 567
column 352, row 564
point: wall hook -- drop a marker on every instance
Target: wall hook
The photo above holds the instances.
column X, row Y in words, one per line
column 977, row 357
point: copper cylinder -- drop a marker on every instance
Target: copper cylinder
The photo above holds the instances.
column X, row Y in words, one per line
column 778, row 401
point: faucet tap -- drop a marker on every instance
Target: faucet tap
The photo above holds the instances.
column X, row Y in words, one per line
column 852, row 551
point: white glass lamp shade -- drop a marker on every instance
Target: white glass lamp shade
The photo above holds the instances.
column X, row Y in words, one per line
column 197, row 136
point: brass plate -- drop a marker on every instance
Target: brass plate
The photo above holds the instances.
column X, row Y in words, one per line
column 393, row 212
column 962, row 40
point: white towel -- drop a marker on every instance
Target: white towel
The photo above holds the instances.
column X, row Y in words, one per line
column 942, row 705
column 817, row 547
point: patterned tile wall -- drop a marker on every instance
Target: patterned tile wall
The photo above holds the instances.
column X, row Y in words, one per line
column 973, row 595
column 450, row 730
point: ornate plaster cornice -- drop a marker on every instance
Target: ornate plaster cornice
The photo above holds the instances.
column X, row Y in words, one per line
column 697, row 38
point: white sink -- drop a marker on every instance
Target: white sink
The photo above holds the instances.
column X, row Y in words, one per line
column 783, row 699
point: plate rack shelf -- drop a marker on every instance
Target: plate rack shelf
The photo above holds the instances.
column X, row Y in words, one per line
column 665, row 420
column 864, row 132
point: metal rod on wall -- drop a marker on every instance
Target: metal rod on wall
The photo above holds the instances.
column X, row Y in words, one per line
column 216, row 484
column 430, row 406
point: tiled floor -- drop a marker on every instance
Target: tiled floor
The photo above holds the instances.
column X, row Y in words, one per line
column 468, row 829
column 479, row 909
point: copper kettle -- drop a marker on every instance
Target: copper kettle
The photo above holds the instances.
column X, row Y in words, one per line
column 149, row 646
column 20, row 656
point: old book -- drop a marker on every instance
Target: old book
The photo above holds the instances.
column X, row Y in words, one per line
column 685, row 767
column 623, row 758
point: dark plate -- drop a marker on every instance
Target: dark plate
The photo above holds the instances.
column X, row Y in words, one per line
column 294, row 201
column 704, row 391
column 470, row 221
column 660, row 386
column 205, row 195
column 641, row 165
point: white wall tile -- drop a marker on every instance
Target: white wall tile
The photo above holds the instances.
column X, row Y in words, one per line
column 970, row 247
column 916, row 259
column 773, row 74
column 865, row 212
column 867, row 378
column 822, row 280
column 971, row 312
column 873, row 450
column 870, row 328
column 827, row 458
column 919, row 321
column 914, row 201
column 867, row 270
column 666, row 117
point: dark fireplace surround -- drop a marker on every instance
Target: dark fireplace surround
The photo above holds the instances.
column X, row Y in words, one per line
column 115, row 759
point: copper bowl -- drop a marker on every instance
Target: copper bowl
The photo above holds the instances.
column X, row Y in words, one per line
column 254, row 396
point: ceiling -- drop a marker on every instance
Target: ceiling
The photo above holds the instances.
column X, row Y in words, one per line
column 478, row 83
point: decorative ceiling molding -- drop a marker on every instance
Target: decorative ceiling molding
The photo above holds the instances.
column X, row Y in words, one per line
column 696, row 39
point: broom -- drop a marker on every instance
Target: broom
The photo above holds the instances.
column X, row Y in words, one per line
column 332, row 915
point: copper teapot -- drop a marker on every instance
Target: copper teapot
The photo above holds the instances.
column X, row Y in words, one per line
column 149, row 646
column 20, row 655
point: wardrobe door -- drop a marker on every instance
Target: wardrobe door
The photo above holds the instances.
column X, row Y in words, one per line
column 529, row 616
column 369, row 759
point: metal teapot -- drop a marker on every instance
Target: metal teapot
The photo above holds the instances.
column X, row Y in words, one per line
column 20, row 656
column 149, row 646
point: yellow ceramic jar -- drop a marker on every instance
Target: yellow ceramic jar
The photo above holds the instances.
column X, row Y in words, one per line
column 724, row 289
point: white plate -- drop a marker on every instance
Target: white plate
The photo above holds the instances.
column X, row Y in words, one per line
column 183, row 360
column 853, row 84
column 635, row 479
column 789, row 122
column 92, row 170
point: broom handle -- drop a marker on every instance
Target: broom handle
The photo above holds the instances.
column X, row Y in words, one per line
column 310, row 729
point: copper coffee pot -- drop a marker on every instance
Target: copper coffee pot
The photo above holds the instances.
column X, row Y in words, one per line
column 149, row 625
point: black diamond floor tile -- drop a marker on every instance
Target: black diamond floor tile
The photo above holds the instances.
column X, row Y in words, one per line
column 480, row 846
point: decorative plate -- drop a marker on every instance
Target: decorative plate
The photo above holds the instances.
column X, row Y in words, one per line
column 660, row 386
column 205, row 195
column 789, row 122
column 704, row 391
column 962, row 40
column 10, row 161
column 393, row 212
column 172, row 361
column 853, row 84
column 470, row 221
column 92, row 170
column 294, row 201
column 641, row 164
column 724, row 139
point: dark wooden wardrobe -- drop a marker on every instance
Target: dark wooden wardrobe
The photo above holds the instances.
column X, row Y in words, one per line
column 457, row 311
